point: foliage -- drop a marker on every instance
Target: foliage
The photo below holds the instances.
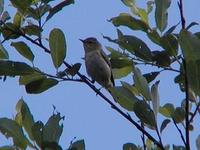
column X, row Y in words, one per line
column 178, row 52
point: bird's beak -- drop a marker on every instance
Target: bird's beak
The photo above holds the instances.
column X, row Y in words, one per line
column 82, row 40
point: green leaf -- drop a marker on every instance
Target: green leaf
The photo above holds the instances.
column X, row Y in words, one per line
column 23, row 49
column 121, row 72
column 145, row 113
column 58, row 7
column 161, row 58
column 37, row 132
column 164, row 125
column 154, row 36
column 155, row 98
column 161, row 14
column 170, row 44
column 131, row 88
column 26, row 117
column 130, row 146
column 178, row 147
column 73, row 70
column 57, row 45
column 26, row 79
column 1, row 6
column 167, row 110
column 52, row 130
column 171, row 29
column 50, row 145
column 78, row 145
column 22, row 7
column 178, row 115
column 198, row 142
column 32, row 30
column 11, row 68
column 18, row 19
column 128, row 3
column 135, row 46
column 141, row 83
column 127, row 20
column 10, row 128
column 3, row 52
column 151, row 76
column 41, row 85
column 124, row 97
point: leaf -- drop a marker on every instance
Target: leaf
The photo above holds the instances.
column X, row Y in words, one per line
column 10, row 128
column 170, row 44
column 161, row 58
column 190, row 45
column 121, row 72
column 37, row 132
column 52, row 130
column 167, row 110
column 7, row 31
column 50, row 145
column 135, row 46
column 32, row 30
column 11, row 68
column 155, row 98
column 22, row 7
column 191, row 25
column 131, row 88
column 178, row 147
column 58, row 7
column 171, row 29
column 154, row 36
column 124, row 97
column 3, row 52
column 18, row 19
column 145, row 113
column 78, row 145
column 41, row 85
column 141, row 83
column 23, row 49
column 130, row 146
column 57, row 45
column 127, row 20
column 198, row 142
column 164, row 125
column 8, row 148
column 26, row 79
column 161, row 14
column 178, row 115
column 74, row 69
column 5, row 16
column 151, row 76
column 26, row 117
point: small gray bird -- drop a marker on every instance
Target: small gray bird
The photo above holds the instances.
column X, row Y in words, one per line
column 97, row 64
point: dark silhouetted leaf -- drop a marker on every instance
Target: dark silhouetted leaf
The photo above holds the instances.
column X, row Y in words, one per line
column 151, row 76
column 25, row 116
column 58, row 7
column 161, row 14
column 5, row 16
column 11, row 68
column 164, row 125
column 74, row 69
column 145, row 113
column 41, row 85
column 22, row 7
column 50, row 145
column 129, row 21
column 57, row 45
column 23, row 49
column 178, row 115
column 191, row 25
column 78, row 145
column 178, row 147
column 141, row 83
column 170, row 30
column 26, row 79
column 8, row 148
column 9, row 31
column 170, row 44
column 10, row 128
column 130, row 146
column 161, row 58
column 124, row 97
column 1, row 6
column 167, row 110
column 37, row 132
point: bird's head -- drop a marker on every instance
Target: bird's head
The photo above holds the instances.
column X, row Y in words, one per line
column 91, row 44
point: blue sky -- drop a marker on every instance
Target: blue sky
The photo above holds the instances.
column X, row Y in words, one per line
column 87, row 115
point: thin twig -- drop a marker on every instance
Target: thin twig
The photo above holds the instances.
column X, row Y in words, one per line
column 143, row 137
column 180, row 5
column 195, row 112
column 96, row 90
column 181, row 134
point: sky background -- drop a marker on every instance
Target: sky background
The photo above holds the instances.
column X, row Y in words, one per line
column 87, row 116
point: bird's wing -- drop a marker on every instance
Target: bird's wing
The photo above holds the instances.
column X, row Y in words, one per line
column 105, row 57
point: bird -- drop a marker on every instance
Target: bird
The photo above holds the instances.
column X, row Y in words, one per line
column 98, row 66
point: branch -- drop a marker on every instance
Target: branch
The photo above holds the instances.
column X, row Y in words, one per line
column 97, row 91
column 195, row 112
column 180, row 5
column 182, row 137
